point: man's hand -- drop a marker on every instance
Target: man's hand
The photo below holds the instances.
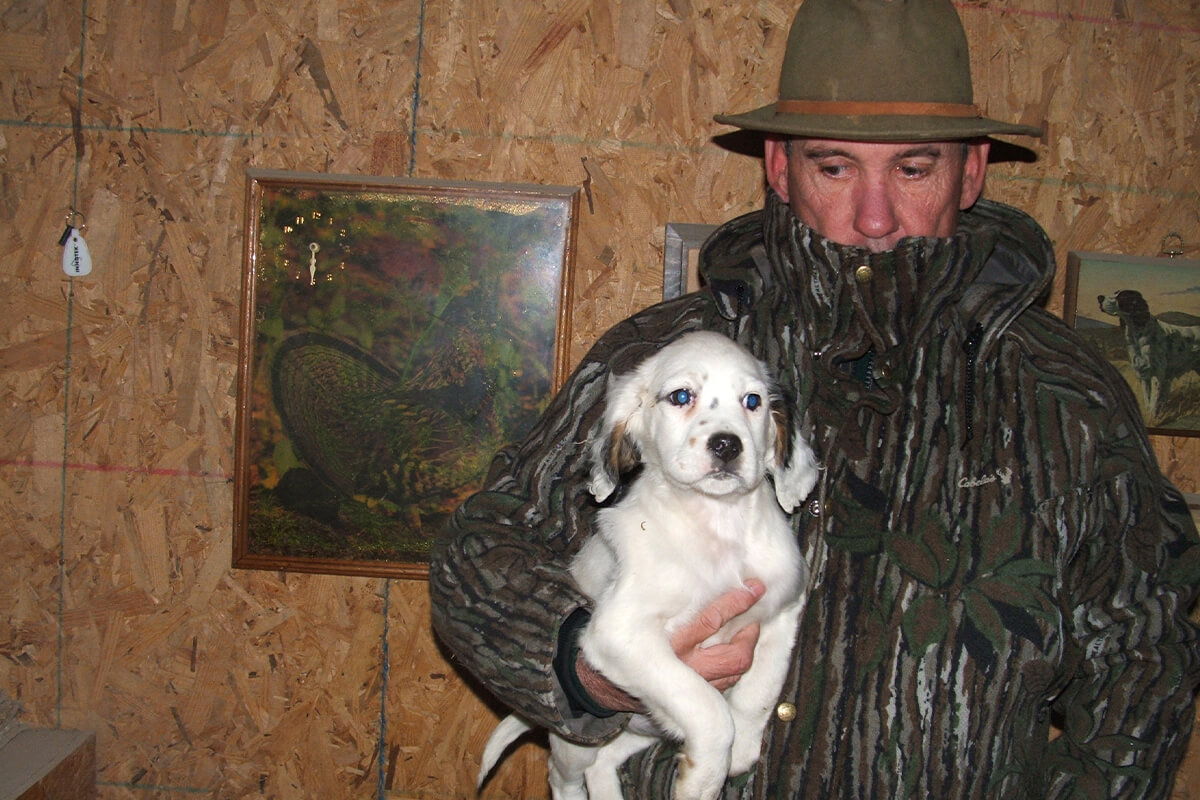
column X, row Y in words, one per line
column 719, row 664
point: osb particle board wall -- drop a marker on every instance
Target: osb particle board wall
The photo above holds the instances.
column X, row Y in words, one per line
column 122, row 613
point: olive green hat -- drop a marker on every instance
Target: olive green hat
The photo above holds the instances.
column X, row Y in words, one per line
column 876, row 70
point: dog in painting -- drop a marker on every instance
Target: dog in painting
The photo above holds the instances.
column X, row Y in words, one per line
column 1159, row 352
column 717, row 464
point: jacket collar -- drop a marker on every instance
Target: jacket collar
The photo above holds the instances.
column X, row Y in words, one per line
column 850, row 300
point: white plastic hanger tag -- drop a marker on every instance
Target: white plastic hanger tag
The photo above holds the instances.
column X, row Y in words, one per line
column 76, row 258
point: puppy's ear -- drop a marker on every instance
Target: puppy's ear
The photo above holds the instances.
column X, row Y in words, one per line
column 614, row 446
column 791, row 462
column 613, row 455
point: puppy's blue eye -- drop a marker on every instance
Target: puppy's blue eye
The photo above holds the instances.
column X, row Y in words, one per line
column 680, row 397
column 752, row 401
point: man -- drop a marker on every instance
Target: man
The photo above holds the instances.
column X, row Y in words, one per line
column 992, row 546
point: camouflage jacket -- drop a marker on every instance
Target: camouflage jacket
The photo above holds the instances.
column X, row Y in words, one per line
column 993, row 547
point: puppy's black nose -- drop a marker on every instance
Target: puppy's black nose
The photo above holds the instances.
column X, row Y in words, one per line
column 725, row 446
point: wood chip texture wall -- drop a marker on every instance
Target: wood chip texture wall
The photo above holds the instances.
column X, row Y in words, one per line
column 121, row 613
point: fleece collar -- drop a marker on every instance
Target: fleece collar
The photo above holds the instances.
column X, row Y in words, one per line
column 849, row 300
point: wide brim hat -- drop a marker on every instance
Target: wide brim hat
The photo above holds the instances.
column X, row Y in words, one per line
column 876, row 70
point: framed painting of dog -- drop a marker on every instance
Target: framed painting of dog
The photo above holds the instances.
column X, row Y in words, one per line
column 1143, row 315
column 394, row 335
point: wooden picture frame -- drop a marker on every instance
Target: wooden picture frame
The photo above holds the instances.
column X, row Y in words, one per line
column 1143, row 315
column 394, row 335
column 680, row 257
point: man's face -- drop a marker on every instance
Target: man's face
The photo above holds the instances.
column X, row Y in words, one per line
column 873, row 194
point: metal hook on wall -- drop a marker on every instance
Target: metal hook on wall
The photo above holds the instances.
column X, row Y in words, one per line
column 1171, row 246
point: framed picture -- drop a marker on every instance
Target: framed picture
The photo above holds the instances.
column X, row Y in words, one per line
column 681, row 257
column 394, row 335
column 1143, row 315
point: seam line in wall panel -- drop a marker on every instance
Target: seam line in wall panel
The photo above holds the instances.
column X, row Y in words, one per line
column 96, row 126
column 582, row 141
column 1079, row 19
column 75, row 466
column 416, row 97
column 385, row 668
column 148, row 787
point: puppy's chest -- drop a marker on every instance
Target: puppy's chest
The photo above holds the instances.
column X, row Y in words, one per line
column 679, row 562
column 692, row 541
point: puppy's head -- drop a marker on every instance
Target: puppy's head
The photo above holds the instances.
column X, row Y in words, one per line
column 1124, row 303
column 701, row 414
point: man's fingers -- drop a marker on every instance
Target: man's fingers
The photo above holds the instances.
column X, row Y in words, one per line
column 723, row 664
column 746, row 636
column 723, row 609
column 741, row 650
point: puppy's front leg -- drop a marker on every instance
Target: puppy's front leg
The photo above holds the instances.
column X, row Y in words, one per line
column 633, row 651
column 752, row 698
column 568, row 766
column 603, row 782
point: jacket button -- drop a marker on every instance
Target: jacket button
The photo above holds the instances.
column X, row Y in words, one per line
column 785, row 711
column 863, row 274
column 814, row 507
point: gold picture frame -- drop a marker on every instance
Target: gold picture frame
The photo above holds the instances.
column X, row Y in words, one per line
column 394, row 334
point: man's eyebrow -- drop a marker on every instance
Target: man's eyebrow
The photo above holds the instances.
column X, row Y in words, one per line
column 932, row 150
column 814, row 152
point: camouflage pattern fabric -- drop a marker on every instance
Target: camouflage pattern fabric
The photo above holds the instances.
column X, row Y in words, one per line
column 993, row 547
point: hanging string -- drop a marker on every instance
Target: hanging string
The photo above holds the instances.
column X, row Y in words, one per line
column 72, row 223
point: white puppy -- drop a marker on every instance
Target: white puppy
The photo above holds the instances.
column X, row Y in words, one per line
column 702, row 421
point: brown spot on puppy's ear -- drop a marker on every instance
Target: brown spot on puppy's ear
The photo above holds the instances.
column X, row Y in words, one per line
column 781, row 415
column 623, row 453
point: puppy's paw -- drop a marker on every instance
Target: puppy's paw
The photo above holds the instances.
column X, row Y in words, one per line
column 745, row 753
column 697, row 780
column 796, row 480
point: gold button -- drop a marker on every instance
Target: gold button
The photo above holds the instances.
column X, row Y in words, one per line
column 785, row 711
column 863, row 274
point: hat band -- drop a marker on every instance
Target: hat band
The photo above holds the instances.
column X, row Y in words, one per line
column 850, row 108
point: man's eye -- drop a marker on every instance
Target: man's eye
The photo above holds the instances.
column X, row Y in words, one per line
column 752, row 401
column 680, row 397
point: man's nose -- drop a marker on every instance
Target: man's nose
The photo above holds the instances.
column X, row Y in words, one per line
column 875, row 213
